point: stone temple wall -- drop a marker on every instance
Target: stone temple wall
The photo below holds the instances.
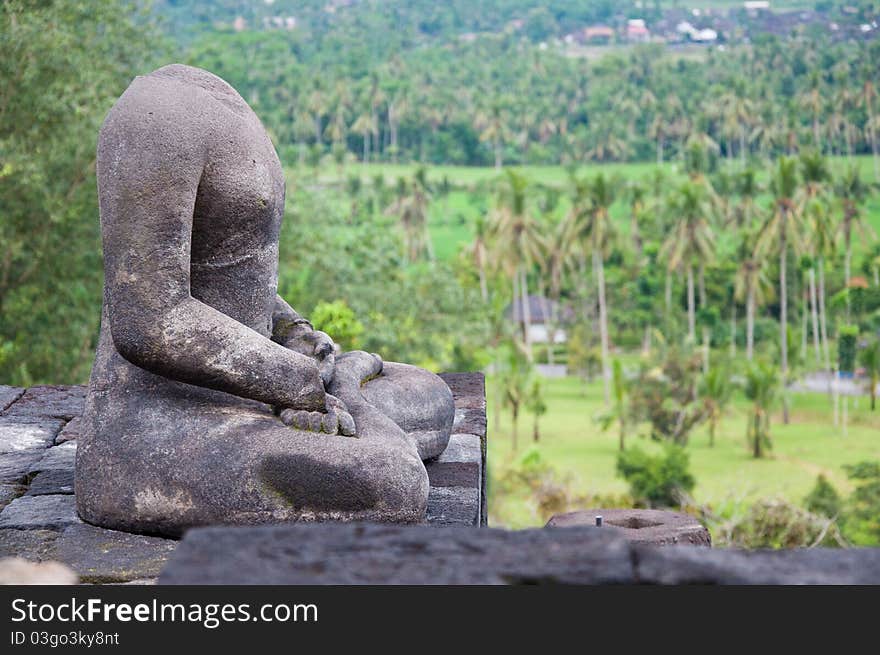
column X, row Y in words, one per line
column 38, row 522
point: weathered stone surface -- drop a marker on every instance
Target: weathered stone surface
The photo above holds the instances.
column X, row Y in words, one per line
column 100, row 555
column 178, row 428
column 49, row 401
column 641, row 526
column 52, row 481
column 454, row 506
column 469, row 392
column 57, row 458
column 14, row 467
column 30, row 544
column 386, row 554
column 9, row 395
column 8, row 492
column 418, row 401
column 727, row 566
column 469, row 387
column 17, row 435
column 39, row 512
column 18, row 571
column 69, row 432
column 459, row 465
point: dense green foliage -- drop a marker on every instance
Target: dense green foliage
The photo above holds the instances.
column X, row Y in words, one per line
column 63, row 65
column 660, row 480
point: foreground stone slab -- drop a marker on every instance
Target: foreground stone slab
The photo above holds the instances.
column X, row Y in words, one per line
column 40, row 512
column 102, row 556
column 764, row 567
column 385, row 554
column 641, row 526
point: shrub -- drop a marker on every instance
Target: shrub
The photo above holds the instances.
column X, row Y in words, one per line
column 846, row 348
column 823, row 499
column 777, row 523
column 339, row 321
column 658, row 480
column 861, row 520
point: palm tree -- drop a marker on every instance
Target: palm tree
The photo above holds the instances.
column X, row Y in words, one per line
column 411, row 207
column 479, row 253
column 691, row 240
column 852, row 193
column 493, row 127
column 590, row 204
column 716, row 390
column 517, row 242
column 761, row 385
column 782, row 228
column 867, row 98
column 815, row 174
column 364, row 126
column 752, row 287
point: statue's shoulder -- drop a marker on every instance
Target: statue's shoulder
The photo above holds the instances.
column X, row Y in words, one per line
column 178, row 96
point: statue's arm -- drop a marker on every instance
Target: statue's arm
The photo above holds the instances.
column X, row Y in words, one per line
column 150, row 165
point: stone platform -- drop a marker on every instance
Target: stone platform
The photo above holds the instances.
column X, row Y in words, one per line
column 38, row 521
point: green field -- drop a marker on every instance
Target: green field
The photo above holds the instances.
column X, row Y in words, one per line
column 451, row 218
column 726, row 474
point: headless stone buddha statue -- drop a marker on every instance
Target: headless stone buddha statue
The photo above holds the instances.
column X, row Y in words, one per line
column 211, row 401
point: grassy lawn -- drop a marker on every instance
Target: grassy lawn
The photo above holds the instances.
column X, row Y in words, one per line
column 576, row 446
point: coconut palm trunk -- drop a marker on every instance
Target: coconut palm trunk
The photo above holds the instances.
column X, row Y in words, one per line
column 692, row 319
column 814, row 312
column 847, row 260
column 526, row 313
column 599, row 268
column 750, row 323
column 733, row 329
column 783, row 316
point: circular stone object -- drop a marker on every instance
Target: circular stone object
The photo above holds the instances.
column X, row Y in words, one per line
column 640, row 526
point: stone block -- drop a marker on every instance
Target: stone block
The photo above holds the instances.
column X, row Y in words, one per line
column 8, row 492
column 40, row 512
column 33, row 434
column 759, row 567
column 52, row 481
column 57, row 458
column 49, row 401
column 395, row 554
column 9, row 395
column 459, row 506
column 101, row 556
column 641, row 526
column 69, row 432
column 34, row 545
column 15, row 467
column 460, row 465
